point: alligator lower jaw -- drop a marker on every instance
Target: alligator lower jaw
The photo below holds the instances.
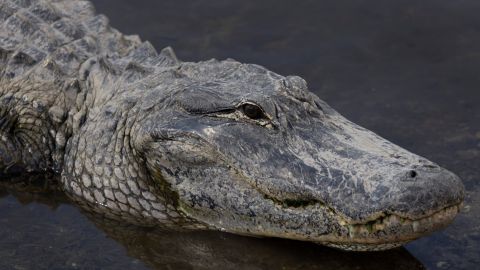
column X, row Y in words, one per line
column 391, row 231
column 365, row 247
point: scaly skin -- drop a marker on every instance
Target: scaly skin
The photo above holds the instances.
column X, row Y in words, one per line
column 143, row 137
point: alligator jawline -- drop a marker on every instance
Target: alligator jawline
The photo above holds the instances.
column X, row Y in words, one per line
column 374, row 218
column 379, row 222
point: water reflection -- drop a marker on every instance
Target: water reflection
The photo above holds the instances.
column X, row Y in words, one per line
column 211, row 250
column 160, row 249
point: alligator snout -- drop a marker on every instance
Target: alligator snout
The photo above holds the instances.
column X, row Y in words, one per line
column 426, row 190
column 425, row 199
column 362, row 176
column 363, row 192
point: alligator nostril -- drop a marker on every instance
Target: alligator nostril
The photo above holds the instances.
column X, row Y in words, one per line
column 412, row 174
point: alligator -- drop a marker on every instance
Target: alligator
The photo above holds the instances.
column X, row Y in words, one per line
column 139, row 136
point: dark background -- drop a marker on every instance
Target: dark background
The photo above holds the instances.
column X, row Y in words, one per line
column 408, row 70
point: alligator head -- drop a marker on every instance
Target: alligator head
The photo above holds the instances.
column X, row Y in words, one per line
column 251, row 152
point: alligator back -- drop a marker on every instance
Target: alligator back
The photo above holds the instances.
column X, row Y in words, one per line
column 44, row 46
column 58, row 35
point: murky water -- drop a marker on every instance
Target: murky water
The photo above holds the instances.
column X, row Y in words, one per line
column 408, row 70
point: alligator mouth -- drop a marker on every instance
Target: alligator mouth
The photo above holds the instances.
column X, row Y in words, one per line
column 391, row 230
column 380, row 232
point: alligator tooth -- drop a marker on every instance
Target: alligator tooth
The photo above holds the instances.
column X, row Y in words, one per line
column 394, row 219
column 379, row 226
column 415, row 226
column 363, row 229
column 351, row 231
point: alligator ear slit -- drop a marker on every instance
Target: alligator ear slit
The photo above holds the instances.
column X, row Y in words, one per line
column 225, row 111
column 214, row 111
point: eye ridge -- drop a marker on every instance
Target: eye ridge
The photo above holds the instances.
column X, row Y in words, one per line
column 253, row 111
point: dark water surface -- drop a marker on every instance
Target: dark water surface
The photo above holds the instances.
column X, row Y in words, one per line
column 408, row 70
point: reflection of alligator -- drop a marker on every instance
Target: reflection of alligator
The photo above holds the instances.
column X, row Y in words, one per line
column 213, row 250
column 144, row 137
column 167, row 249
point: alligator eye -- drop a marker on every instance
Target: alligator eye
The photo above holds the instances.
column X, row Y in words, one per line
column 253, row 111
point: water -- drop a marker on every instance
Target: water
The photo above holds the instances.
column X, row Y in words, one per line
column 409, row 70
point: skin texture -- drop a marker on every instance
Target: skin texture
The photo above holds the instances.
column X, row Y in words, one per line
column 142, row 137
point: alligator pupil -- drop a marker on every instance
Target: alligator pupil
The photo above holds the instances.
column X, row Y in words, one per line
column 252, row 111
